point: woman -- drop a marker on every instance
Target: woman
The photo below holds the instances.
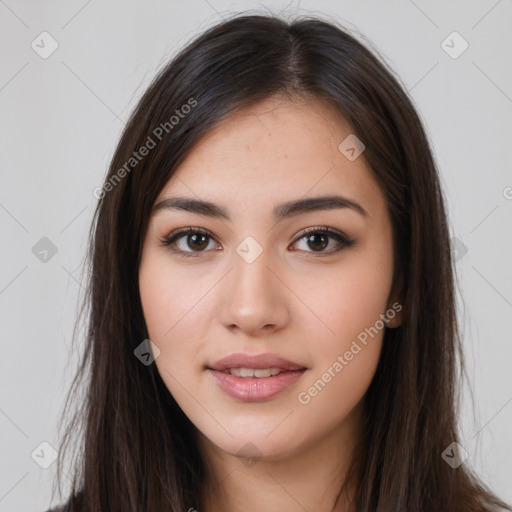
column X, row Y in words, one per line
column 272, row 321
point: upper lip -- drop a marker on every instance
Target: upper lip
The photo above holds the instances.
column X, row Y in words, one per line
column 260, row 361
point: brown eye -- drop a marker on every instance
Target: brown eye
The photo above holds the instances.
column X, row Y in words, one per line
column 318, row 239
column 188, row 242
column 197, row 241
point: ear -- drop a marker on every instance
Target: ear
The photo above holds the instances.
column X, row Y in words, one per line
column 394, row 314
column 395, row 310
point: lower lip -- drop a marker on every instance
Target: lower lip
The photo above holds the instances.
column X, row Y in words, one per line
column 253, row 389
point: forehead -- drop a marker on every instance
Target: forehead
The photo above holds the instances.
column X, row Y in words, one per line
column 274, row 150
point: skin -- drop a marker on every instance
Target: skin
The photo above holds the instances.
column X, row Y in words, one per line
column 307, row 305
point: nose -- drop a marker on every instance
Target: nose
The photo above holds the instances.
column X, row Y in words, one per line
column 254, row 297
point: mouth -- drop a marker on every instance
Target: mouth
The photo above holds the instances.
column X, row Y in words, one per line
column 258, row 373
column 242, row 361
column 249, row 378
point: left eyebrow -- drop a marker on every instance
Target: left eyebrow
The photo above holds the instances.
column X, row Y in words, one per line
column 280, row 212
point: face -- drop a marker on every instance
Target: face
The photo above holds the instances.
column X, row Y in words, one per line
column 270, row 286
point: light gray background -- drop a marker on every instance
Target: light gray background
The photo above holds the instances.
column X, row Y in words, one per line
column 61, row 117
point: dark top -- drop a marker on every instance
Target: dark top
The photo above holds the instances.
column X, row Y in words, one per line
column 75, row 500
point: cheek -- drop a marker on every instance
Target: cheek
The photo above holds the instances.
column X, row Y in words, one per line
column 168, row 298
column 332, row 394
column 155, row 298
column 173, row 309
column 347, row 351
column 347, row 354
column 351, row 300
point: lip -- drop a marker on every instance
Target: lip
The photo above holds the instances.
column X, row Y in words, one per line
column 258, row 362
column 254, row 389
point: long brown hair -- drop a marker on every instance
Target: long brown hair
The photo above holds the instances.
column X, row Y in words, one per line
column 138, row 451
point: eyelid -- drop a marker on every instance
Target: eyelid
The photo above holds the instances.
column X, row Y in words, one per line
column 323, row 229
column 188, row 229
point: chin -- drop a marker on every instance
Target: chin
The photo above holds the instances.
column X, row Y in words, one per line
column 256, row 443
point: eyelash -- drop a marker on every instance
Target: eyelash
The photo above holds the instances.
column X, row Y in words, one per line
column 169, row 241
